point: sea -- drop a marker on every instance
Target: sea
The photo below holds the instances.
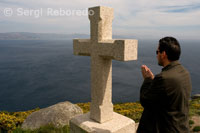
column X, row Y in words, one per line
column 40, row 73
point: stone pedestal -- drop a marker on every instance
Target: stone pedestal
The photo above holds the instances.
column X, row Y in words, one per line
column 119, row 124
column 103, row 49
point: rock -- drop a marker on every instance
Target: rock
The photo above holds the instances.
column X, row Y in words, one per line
column 195, row 96
column 58, row 115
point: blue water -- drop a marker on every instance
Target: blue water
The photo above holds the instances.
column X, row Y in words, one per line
column 41, row 73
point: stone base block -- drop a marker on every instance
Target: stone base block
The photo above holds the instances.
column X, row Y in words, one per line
column 119, row 124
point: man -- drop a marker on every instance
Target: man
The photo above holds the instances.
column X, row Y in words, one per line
column 165, row 97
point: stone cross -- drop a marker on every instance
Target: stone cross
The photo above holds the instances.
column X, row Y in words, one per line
column 102, row 49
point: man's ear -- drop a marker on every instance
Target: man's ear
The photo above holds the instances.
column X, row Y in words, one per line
column 164, row 54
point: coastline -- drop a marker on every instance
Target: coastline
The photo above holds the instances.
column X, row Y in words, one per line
column 133, row 110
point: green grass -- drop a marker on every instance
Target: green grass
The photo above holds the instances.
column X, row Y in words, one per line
column 196, row 128
column 191, row 122
column 194, row 107
column 131, row 110
column 44, row 129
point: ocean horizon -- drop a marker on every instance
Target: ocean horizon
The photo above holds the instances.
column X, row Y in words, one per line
column 40, row 73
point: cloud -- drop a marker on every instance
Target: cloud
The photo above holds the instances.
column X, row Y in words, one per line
column 143, row 17
column 182, row 9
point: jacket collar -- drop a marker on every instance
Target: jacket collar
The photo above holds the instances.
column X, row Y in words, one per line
column 172, row 64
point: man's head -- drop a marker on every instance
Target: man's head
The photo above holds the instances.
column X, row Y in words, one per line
column 168, row 50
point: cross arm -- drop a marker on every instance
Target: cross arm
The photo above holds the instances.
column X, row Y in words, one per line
column 82, row 47
column 122, row 50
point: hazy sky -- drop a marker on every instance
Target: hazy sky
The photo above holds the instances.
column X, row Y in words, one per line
column 136, row 18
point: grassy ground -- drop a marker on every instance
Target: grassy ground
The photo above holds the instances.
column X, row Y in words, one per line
column 11, row 121
column 131, row 110
column 44, row 129
column 195, row 107
column 195, row 115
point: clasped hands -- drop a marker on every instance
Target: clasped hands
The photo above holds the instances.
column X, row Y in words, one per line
column 146, row 72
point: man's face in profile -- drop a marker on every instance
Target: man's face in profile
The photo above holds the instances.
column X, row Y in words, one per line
column 159, row 57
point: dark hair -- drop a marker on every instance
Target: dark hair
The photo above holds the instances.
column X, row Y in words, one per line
column 171, row 46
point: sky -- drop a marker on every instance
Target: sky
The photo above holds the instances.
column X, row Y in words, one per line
column 136, row 18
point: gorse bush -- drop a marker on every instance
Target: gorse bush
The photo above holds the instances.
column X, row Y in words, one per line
column 84, row 106
column 7, row 122
column 44, row 129
column 10, row 121
column 194, row 107
column 131, row 110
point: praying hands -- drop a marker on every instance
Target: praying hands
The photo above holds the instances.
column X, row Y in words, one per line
column 146, row 72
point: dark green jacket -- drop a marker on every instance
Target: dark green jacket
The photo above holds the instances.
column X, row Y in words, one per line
column 166, row 101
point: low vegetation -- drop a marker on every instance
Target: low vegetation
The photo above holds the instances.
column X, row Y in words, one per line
column 131, row 110
column 196, row 129
column 12, row 121
column 44, row 129
column 195, row 107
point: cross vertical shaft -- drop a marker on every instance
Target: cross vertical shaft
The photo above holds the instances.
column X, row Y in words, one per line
column 101, row 24
column 101, row 89
column 102, row 49
column 101, row 69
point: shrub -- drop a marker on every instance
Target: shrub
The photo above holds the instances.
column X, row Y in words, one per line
column 44, row 129
column 131, row 110
column 9, row 121
column 84, row 106
column 194, row 107
column 196, row 128
column 13, row 120
column 191, row 122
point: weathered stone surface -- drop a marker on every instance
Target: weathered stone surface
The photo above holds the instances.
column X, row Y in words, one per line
column 58, row 115
column 119, row 124
column 102, row 49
